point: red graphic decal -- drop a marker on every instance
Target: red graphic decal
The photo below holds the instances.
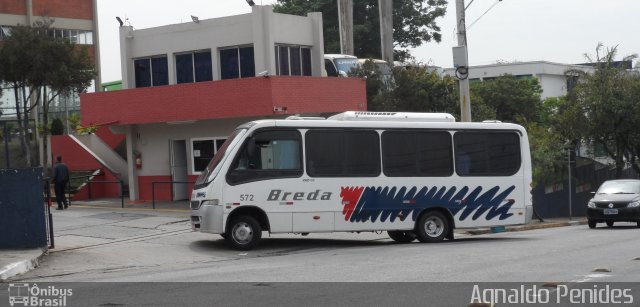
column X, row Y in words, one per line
column 350, row 197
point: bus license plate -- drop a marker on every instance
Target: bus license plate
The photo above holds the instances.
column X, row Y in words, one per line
column 610, row 211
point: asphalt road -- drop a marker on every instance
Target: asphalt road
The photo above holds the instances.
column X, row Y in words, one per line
column 109, row 246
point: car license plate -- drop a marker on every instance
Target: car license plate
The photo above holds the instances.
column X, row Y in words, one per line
column 610, row 211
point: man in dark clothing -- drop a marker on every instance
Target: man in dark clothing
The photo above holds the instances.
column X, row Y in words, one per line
column 60, row 180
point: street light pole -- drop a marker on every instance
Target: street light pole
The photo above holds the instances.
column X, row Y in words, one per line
column 463, row 81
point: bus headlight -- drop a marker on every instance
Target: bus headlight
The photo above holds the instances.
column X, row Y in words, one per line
column 210, row 202
column 633, row 204
column 591, row 205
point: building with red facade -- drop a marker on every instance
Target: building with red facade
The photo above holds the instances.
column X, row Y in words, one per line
column 187, row 86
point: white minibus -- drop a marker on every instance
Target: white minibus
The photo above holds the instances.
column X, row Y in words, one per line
column 414, row 175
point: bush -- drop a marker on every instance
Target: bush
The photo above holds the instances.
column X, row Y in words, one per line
column 57, row 128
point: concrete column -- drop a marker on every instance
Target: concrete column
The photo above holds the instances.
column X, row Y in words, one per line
column 29, row 12
column 263, row 42
column 96, row 47
column 317, row 51
column 345, row 24
column 126, row 64
column 385, row 8
column 130, row 132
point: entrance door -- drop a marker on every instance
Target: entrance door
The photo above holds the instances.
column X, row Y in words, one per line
column 179, row 169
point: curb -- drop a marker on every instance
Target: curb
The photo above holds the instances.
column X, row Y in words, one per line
column 482, row 231
column 20, row 267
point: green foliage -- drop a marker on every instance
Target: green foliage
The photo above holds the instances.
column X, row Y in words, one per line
column 604, row 109
column 57, row 128
column 416, row 89
column 414, row 23
column 512, row 99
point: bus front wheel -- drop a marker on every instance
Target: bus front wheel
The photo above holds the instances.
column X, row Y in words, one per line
column 402, row 236
column 432, row 227
column 243, row 232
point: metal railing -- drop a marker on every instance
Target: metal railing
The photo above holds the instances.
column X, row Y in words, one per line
column 89, row 182
column 153, row 188
column 47, row 193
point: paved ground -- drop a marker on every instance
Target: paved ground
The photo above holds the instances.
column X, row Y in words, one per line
column 88, row 227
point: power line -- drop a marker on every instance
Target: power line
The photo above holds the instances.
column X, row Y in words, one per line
column 485, row 13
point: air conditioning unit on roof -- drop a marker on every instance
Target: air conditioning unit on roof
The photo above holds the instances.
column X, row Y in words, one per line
column 393, row 116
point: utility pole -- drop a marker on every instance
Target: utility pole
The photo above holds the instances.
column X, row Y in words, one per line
column 385, row 8
column 461, row 62
column 345, row 25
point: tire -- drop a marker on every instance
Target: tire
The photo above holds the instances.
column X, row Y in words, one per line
column 432, row 227
column 402, row 236
column 243, row 233
column 609, row 224
column 592, row 224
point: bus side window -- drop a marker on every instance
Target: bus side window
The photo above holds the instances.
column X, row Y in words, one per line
column 268, row 155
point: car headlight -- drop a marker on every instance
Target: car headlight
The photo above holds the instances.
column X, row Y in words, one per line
column 633, row 204
column 591, row 205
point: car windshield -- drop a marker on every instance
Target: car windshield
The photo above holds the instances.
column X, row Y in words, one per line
column 620, row 187
column 347, row 65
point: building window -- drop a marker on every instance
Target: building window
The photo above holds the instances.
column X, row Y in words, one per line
column 151, row 71
column 194, row 66
column 237, row 62
column 203, row 150
column 293, row 60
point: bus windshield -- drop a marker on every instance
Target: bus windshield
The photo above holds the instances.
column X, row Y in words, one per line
column 213, row 167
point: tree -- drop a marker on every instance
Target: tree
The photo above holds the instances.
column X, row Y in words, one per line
column 41, row 68
column 513, row 99
column 414, row 23
column 605, row 109
column 414, row 89
column 57, row 128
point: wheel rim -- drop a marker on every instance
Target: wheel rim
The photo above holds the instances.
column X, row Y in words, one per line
column 242, row 233
column 433, row 226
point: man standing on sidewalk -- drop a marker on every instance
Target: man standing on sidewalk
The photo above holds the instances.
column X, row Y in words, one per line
column 60, row 180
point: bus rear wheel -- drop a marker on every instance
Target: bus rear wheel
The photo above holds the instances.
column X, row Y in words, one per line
column 432, row 227
column 243, row 233
column 402, row 236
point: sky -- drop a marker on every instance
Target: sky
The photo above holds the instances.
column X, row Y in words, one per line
column 561, row 31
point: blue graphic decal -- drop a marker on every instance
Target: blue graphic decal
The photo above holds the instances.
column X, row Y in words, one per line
column 363, row 204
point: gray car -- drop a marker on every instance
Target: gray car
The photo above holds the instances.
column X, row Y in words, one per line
column 615, row 201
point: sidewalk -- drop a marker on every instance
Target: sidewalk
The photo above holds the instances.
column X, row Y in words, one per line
column 15, row 262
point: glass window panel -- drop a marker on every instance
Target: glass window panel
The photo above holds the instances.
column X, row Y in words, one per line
column 73, row 36
column 82, row 37
column 142, row 68
column 487, row 153
column 295, row 61
column 340, row 153
column 417, row 153
column 89, row 38
column 247, row 63
column 219, row 143
column 284, row 61
column 160, row 70
column 202, row 66
column 184, row 68
column 330, row 68
column 229, row 64
column 268, row 154
column 306, row 62
column 203, row 152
